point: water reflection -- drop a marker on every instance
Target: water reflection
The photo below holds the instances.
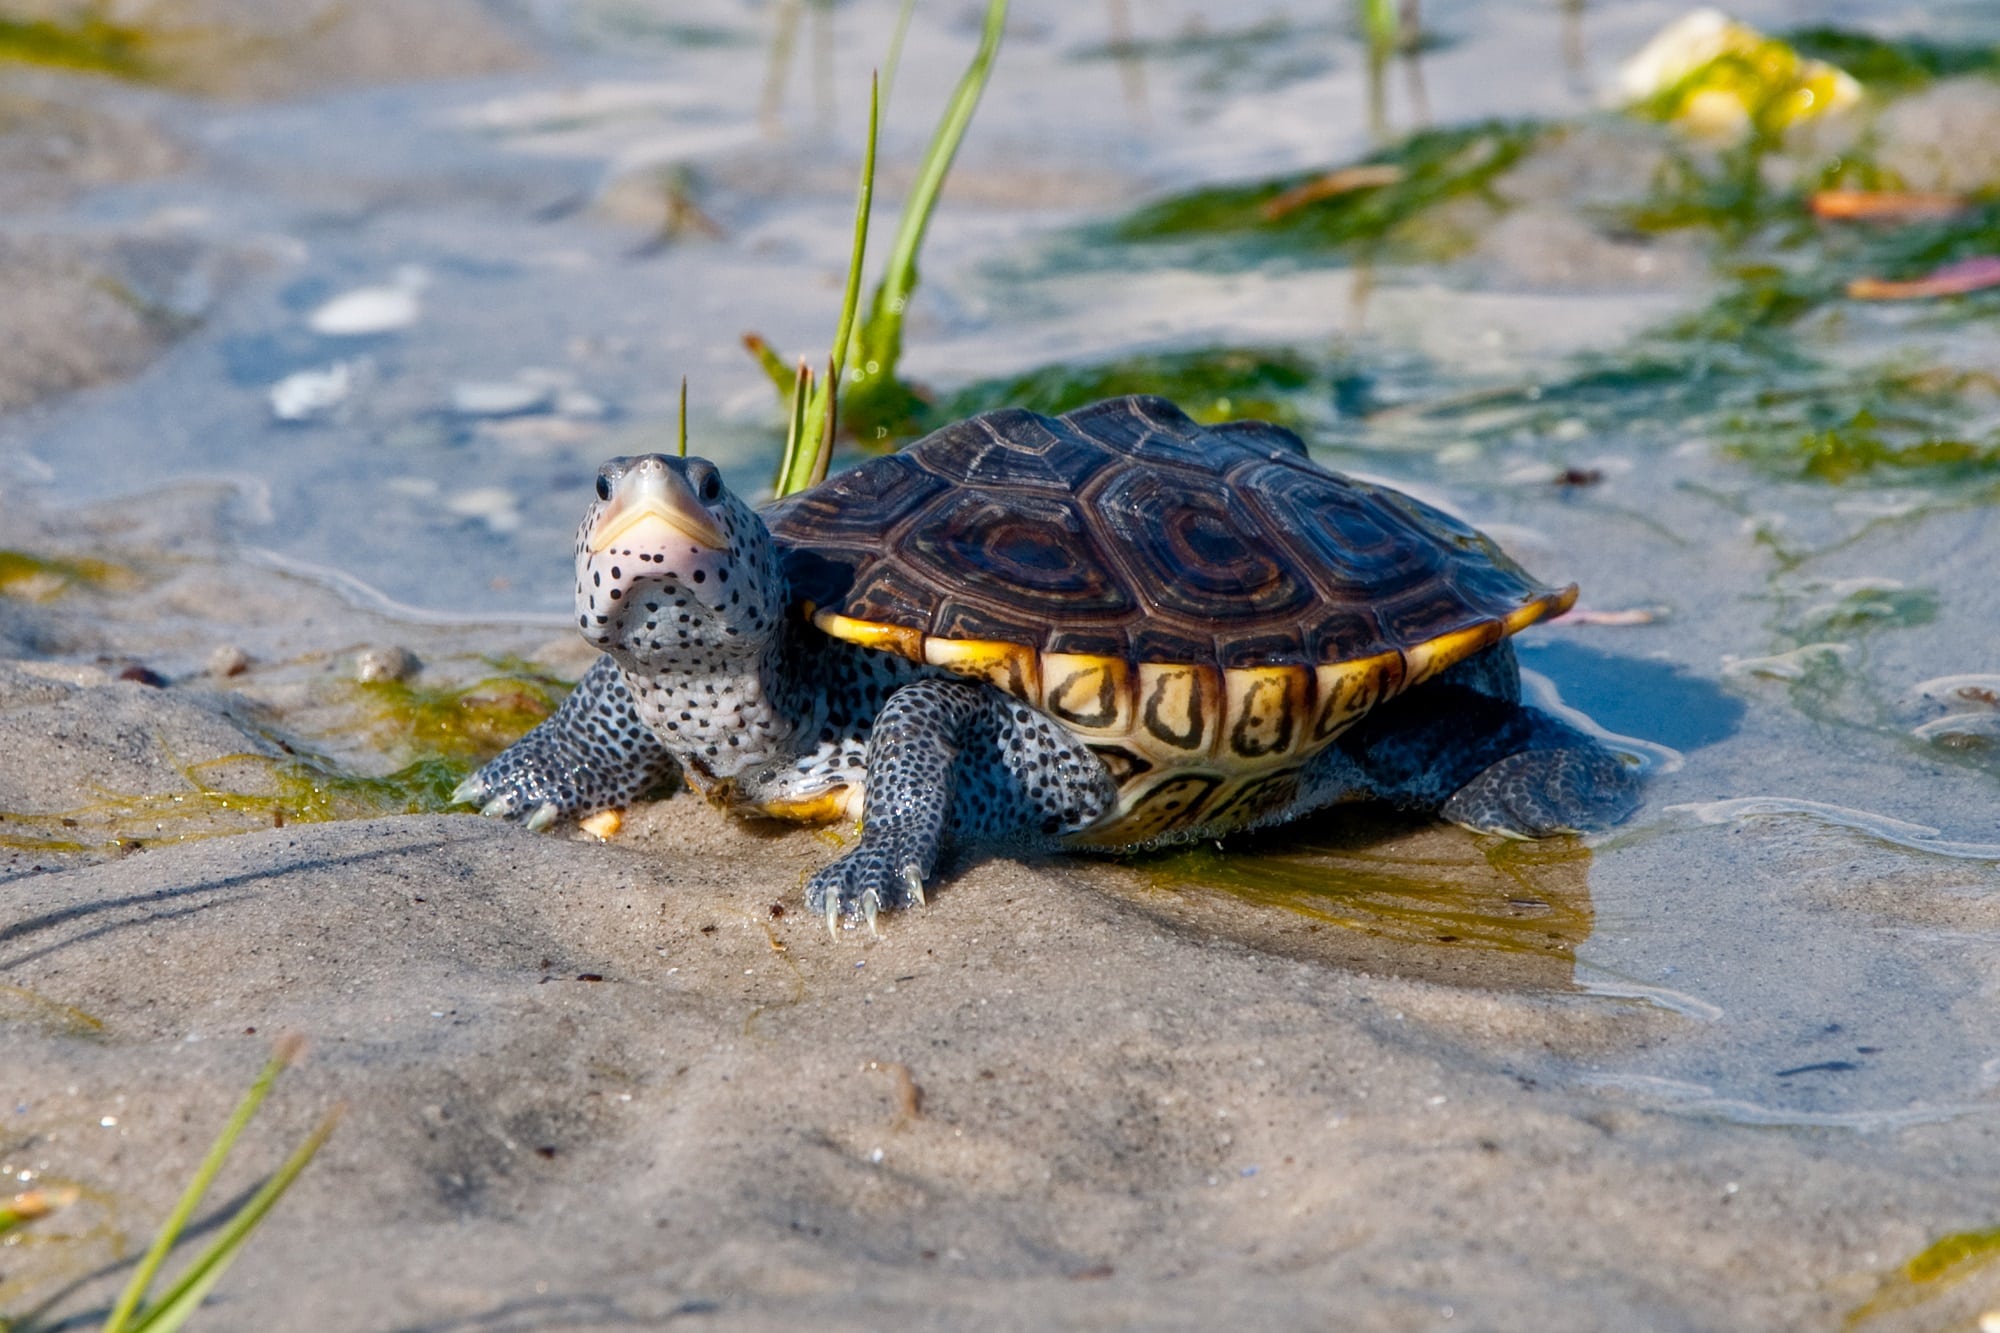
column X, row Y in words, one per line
column 1372, row 889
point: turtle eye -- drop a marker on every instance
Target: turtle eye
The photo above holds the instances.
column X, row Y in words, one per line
column 603, row 487
column 709, row 489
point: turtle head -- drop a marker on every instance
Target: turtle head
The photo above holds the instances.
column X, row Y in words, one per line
column 671, row 567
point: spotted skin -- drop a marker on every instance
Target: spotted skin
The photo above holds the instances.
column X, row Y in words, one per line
column 960, row 761
column 593, row 753
column 716, row 662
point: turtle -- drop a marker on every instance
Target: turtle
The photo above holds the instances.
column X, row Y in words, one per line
column 1109, row 629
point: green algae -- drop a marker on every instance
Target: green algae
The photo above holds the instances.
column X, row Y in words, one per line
column 1944, row 1262
column 1887, row 65
column 439, row 733
column 1210, row 384
column 38, row 578
column 464, row 724
column 1418, row 174
column 91, row 43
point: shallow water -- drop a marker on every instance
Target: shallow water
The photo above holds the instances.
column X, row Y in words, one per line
column 1811, row 894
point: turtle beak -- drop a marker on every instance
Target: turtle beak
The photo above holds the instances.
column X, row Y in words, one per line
column 652, row 507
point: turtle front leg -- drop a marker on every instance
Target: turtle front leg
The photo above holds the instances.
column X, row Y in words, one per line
column 953, row 759
column 592, row 754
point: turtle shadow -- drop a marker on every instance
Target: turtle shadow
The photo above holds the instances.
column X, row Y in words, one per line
column 1370, row 888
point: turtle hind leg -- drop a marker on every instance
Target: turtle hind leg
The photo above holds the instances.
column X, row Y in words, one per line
column 1536, row 793
column 592, row 754
column 1485, row 762
column 955, row 760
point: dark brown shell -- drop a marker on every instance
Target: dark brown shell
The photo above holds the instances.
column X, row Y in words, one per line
column 1125, row 530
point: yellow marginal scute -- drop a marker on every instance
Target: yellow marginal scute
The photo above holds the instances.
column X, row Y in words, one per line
column 1424, row 660
column 1010, row 666
column 898, row 639
column 1348, row 690
column 1088, row 693
column 1548, row 607
column 1266, row 717
column 1180, row 707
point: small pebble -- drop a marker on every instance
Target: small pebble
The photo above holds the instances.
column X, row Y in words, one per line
column 379, row 664
column 143, row 675
column 603, row 825
column 228, row 660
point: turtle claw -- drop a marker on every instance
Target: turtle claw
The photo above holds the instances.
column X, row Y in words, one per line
column 913, row 880
column 544, row 815
column 499, row 807
column 469, row 792
column 870, row 905
column 832, row 918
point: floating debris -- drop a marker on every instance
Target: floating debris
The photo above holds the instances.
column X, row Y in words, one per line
column 1961, row 731
column 1956, row 279
column 1885, row 205
column 1367, row 176
column 1977, row 691
column 306, row 394
column 1793, row 665
column 1635, row 615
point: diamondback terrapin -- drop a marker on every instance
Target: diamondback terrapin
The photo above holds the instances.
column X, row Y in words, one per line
column 1112, row 628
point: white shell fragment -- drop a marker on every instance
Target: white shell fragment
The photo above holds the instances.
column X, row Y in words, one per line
column 500, row 398
column 306, row 394
column 367, row 310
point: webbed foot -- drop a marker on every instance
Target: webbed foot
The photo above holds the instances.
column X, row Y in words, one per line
column 1537, row 793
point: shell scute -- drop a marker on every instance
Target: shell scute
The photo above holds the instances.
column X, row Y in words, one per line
column 1189, row 541
column 1011, row 550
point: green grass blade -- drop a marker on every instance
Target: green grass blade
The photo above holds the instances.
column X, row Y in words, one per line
column 895, row 57
column 901, row 277
column 170, row 1230
column 684, row 416
column 823, row 452
column 186, row 1295
column 795, row 427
